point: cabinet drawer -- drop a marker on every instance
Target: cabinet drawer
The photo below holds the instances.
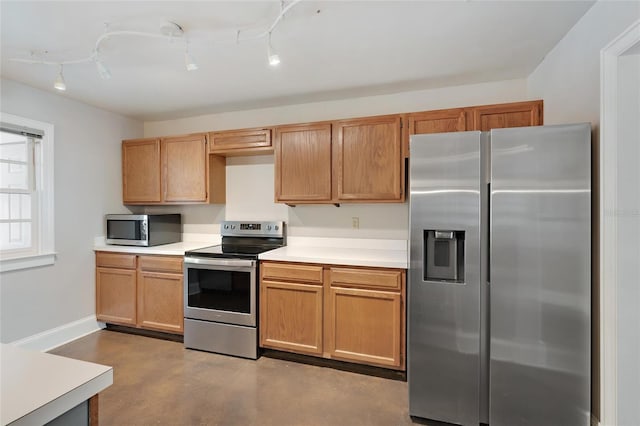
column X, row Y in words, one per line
column 369, row 278
column 239, row 139
column 292, row 272
column 161, row 263
column 115, row 260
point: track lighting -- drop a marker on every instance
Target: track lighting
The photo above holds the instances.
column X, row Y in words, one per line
column 274, row 59
column 169, row 31
column 103, row 71
column 59, row 82
column 189, row 60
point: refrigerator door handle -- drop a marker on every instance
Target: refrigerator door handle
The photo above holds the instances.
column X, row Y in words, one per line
column 488, row 198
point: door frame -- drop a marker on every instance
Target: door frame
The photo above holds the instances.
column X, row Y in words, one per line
column 609, row 221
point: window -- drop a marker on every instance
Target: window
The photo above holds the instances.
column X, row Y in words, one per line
column 26, row 193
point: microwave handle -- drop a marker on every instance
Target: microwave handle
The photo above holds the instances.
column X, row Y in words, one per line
column 143, row 230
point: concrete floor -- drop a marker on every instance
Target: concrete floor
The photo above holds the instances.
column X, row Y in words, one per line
column 158, row 382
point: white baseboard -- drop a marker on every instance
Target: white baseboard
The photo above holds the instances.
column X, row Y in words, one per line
column 50, row 339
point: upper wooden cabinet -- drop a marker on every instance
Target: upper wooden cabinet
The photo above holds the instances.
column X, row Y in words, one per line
column 184, row 165
column 517, row 114
column 240, row 142
column 173, row 170
column 368, row 163
column 440, row 121
column 358, row 160
column 141, row 172
column 303, row 163
column 482, row 117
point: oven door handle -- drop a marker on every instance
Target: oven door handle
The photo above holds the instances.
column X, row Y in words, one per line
column 220, row 262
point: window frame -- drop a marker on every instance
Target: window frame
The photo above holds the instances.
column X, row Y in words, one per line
column 43, row 250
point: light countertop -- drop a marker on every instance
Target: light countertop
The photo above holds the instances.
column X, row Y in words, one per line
column 381, row 258
column 336, row 251
column 37, row 387
column 175, row 249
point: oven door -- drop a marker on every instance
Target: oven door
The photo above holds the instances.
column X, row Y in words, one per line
column 220, row 290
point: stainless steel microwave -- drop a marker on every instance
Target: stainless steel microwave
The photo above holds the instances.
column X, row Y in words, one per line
column 143, row 229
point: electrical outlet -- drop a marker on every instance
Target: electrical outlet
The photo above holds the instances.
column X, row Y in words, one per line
column 355, row 222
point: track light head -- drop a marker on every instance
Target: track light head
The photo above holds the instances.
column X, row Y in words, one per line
column 59, row 83
column 103, row 71
column 273, row 57
column 189, row 61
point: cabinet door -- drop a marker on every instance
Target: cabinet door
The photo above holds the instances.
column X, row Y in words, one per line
column 517, row 114
column 291, row 317
column 239, row 140
column 365, row 326
column 303, row 163
column 184, row 162
column 141, row 171
column 160, row 301
column 368, row 159
column 440, row 121
column 116, row 295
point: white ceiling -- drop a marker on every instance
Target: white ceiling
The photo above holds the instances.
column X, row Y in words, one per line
column 329, row 49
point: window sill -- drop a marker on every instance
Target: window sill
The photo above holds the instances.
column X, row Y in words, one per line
column 27, row 262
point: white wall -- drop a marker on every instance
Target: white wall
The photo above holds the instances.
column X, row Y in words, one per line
column 250, row 184
column 87, row 185
column 568, row 79
column 628, row 237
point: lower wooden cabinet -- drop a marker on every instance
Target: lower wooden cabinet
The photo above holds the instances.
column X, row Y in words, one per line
column 141, row 291
column 160, row 299
column 116, row 295
column 346, row 313
column 291, row 317
column 365, row 326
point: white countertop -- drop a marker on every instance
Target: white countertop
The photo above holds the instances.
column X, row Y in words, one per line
column 175, row 249
column 37, row 387
column 339, row 256
column 337, row 251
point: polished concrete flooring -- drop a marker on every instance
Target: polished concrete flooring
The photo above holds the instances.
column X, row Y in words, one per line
column 159, row 382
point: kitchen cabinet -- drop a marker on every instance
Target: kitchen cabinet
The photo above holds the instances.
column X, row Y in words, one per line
column 481, row 117
column 116, row 288
column 368, row 161
column 516, row 114
column 353, row 314
column 356, row 160
column 140, row 291
column 160, row 293
column 303, row 163
column 291, row 307
column 172, row 170
column 365, row 321
column 141, row 171
column 439, row 121
column 241, row 142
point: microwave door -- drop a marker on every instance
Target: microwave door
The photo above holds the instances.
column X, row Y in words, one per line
column 127, row 231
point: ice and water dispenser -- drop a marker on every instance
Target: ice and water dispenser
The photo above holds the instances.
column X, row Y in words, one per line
column 443, row 255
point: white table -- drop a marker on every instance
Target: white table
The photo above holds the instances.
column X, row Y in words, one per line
column 38, row 387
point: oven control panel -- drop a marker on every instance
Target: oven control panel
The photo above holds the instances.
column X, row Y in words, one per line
column 229, row 228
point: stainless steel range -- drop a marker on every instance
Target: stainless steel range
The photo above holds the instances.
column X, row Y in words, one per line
column 221, row 289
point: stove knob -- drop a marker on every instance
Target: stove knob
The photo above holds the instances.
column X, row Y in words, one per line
column 276, row 227
column 233, row 227
column 268, row 227
column 226, row 226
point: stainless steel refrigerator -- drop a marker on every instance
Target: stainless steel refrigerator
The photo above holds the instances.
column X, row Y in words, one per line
column 499, row 293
